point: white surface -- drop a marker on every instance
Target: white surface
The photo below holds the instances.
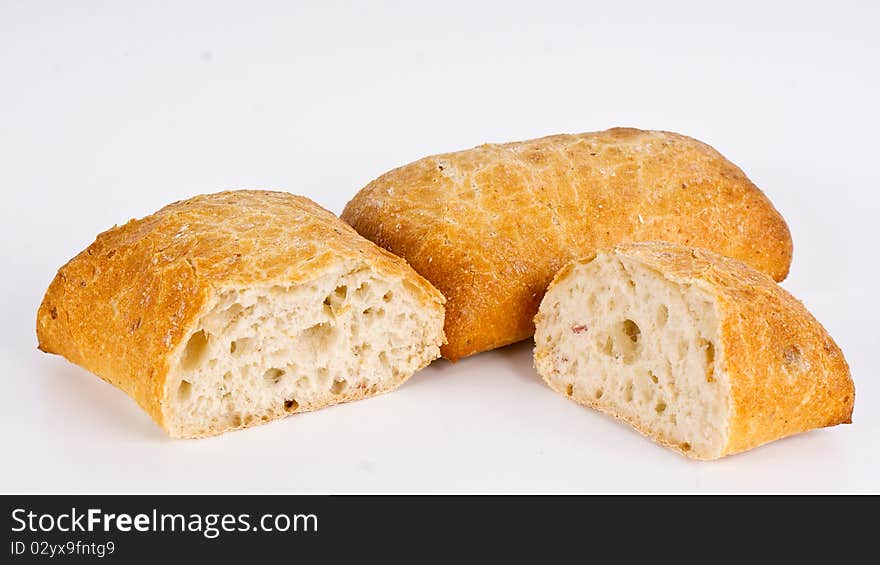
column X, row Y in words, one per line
column 109, row 111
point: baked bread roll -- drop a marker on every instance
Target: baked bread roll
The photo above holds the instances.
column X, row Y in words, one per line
column 233, row 309
column 697, row 351
column 489, row 227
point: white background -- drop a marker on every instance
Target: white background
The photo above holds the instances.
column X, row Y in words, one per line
column 110, row 110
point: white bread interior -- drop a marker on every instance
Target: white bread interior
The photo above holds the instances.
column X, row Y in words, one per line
column 261, row 353
column 620, row 337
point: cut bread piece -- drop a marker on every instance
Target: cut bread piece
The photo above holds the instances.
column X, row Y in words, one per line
column 697, row 351
column 237, row 308
column 260, row 353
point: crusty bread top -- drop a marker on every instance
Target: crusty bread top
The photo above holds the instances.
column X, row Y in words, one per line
column 122, row 306
column 490, row 226
column 786, row 373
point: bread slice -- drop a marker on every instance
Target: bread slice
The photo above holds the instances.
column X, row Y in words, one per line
column 490, row 226
column 697, row 351
column 232, row 309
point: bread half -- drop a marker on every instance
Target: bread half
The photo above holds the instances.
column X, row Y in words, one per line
column 697, row 351
column 232, row 309
column 490, row 226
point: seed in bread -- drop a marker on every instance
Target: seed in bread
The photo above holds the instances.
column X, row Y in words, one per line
column 489, row 227
column 697, row 351
column 232, row 309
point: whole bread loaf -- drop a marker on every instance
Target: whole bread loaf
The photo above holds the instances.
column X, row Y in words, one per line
column 490, row 226
column 236, row 308
column 698, row 351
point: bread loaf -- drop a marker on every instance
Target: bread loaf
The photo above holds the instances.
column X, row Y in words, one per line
column 490, row 226
column 236, row 308
column 700, row 352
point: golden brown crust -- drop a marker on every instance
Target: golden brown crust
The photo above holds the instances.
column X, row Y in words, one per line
column 786, row 374
column 490, row 226
column 122, row 307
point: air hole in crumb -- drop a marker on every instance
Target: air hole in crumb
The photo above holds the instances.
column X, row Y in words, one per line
column 319, row 334
column 388, row 296
column 569, row 389
column 227, row 376
column 338, row 386
column 335, row 300
column 685, row 446
column 273, row 376
column 599, row 393
column 660, row 407
column 662, row 315
column 632, row 331
column 241, row 346
column 291, row 405
column 710, row 353
column 628, row 392
column 623, row 342
column 184, row 390
column 654, row 378
column 196, row 350
column 709, row 349
column 323, row 374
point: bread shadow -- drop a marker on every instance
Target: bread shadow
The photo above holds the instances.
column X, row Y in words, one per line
column 66, row 383
column 517, row 357
column 438, row 369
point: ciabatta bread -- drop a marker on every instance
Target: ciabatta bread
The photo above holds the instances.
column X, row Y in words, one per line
column 491, row 226
column 697, row 351
column 236, row 308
